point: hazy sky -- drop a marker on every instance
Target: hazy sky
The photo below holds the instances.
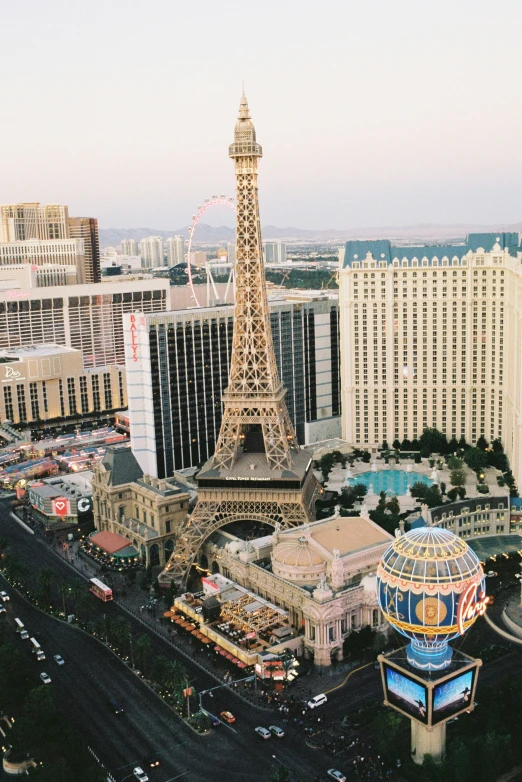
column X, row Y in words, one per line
column 389, row 112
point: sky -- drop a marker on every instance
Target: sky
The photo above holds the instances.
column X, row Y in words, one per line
column 369, row 113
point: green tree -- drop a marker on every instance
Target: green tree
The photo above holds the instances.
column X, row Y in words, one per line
column 280, row 774
column 482, row 443
column 143, row 650
column 326, row 463
column 458, row 478
column 453, row 445
column 454, row 463
column 434, row 440
column 45, row 580
column 15, row 681
column 64, row 588
column 388, row 727
column 418, row 490
column 475, row 459
column 497, row 446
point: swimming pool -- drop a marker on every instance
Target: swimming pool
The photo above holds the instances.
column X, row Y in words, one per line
column 391, row 481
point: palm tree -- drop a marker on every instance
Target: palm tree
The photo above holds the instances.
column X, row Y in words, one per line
column 45, row 581
column 143, row 648
column 102, row 628
column 159, row 669
column 64, row 589
column 120, row 633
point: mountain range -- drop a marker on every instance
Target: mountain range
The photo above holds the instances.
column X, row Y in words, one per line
column 408, row 234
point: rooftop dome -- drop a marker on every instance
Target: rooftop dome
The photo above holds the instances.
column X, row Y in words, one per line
column 297, row 553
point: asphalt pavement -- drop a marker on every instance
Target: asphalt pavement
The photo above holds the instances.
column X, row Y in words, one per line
column 92, row 673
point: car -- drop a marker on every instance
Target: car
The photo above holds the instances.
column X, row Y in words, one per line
column 59, row 659
column 45, row 678
column 317, row 700
column 214, row 721
column 334, row 774
column 115, row 707
column 2, row 609
column 227, row 716
column 263, row 732
column 4, row 597
column 140, row 774
column 152, row 761
column 279, row 732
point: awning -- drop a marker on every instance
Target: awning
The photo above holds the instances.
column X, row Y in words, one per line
column 217, row 648
column 206, row 640
column 190, row 626
column 168, row 614
column 195, row 632
column 223, row 652
column 241, row 664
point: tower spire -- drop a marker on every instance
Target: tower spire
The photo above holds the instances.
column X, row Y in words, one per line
column 254, row 401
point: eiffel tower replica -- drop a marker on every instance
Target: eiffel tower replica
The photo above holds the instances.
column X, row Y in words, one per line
column 258, row 472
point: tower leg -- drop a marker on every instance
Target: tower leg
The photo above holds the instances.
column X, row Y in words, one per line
column 427, row 742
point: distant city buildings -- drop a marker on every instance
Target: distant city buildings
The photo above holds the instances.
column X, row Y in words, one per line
column 152, row 254
column 275, row 252
column 31, row 276
column 175, row 250
column 45, row 382
column 129, row 247
column 430, row 338
column 19, row 222
column 84, row 317
column 45, row 234
column 198, row 258
column 86, row 228
column 177, row 368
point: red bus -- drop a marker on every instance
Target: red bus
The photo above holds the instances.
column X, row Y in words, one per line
column 100, row 590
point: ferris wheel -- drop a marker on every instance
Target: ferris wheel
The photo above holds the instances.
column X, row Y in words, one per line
column 209, row 203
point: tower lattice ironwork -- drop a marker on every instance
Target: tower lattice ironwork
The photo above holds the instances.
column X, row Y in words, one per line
column 255, row 394
column 258, row 471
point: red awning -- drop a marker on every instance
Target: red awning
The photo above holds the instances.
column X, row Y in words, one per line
column 223, row 652
column 241, row 664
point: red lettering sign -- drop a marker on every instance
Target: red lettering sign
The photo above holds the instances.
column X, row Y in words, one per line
column 468, row 608
column 134, row 341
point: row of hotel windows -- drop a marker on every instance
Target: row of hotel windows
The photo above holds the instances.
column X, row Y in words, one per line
column 71, row 393
column 440, row 408
column 431, row 262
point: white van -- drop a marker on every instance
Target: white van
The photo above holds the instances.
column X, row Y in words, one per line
column 317, row 700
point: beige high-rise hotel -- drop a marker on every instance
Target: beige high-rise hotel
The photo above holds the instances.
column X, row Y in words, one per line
column 431, row 337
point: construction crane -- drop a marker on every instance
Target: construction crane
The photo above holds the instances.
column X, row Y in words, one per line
column 333, row 277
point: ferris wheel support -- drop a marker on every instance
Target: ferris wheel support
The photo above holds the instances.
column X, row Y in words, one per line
column 221, row 200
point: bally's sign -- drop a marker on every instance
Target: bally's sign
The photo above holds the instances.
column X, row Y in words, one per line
column 135, row 322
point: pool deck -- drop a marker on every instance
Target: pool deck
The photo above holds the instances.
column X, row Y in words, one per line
column 337, row 479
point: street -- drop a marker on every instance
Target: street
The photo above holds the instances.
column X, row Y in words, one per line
column 92, row 673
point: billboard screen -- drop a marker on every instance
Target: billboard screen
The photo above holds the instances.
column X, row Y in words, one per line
column 452, row 696
column 408, row 695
